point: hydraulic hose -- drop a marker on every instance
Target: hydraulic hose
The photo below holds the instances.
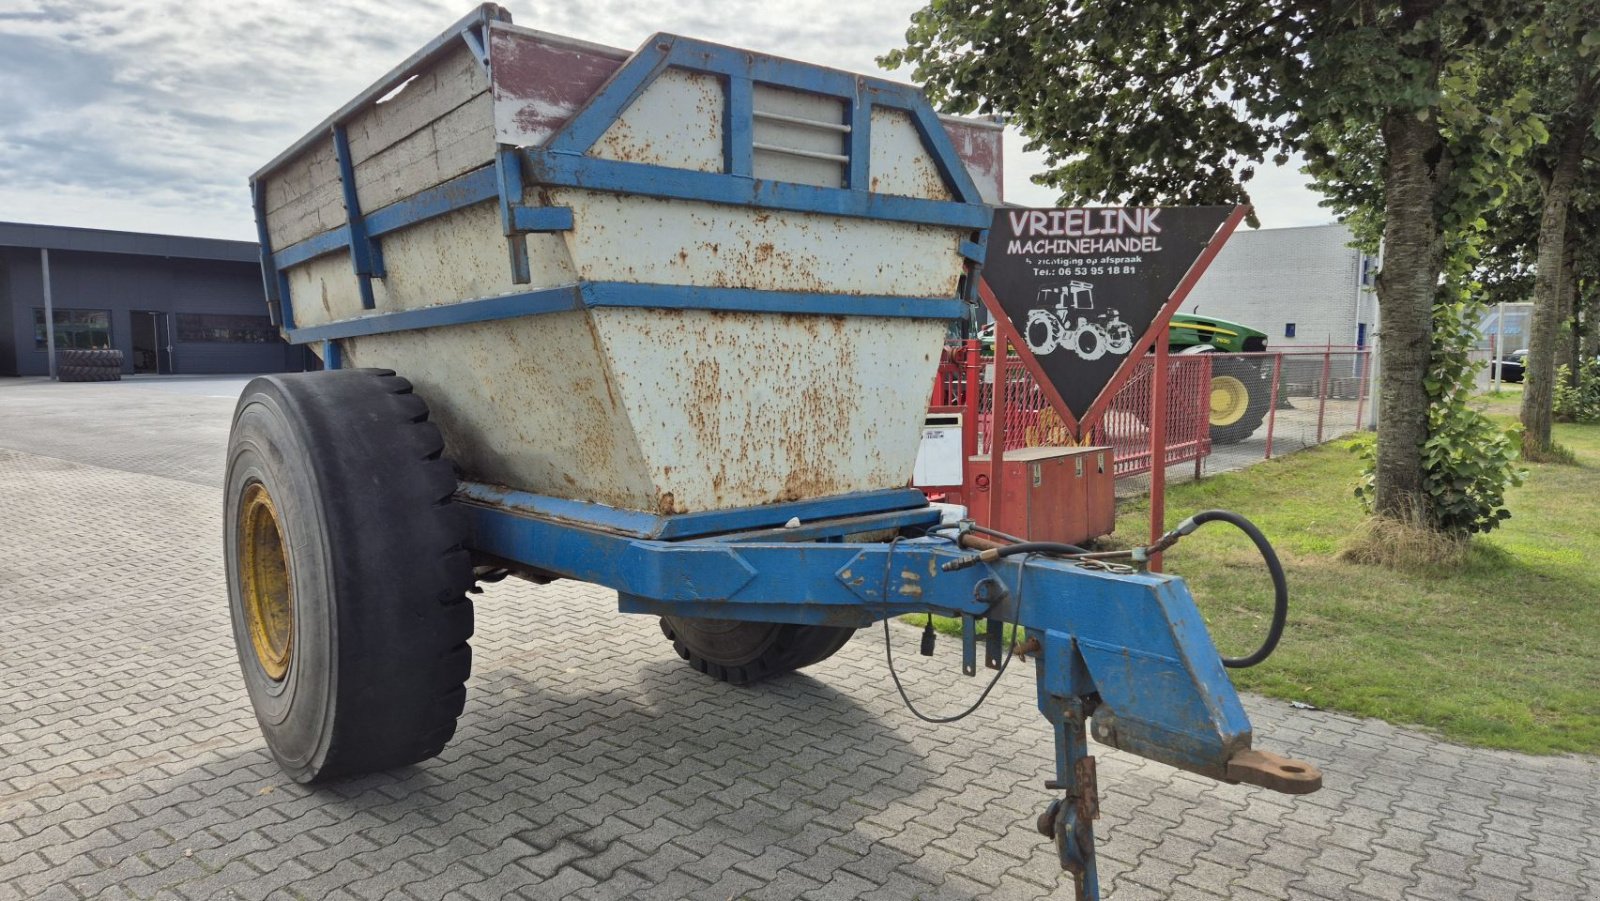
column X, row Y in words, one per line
column 1280, row 584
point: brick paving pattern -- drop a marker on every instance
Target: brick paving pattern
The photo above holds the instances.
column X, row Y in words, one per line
column 591, row 763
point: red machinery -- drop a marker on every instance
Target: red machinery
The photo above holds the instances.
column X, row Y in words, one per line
column 1050, row 490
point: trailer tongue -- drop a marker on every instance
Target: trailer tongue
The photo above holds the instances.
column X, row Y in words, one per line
column 665, row 322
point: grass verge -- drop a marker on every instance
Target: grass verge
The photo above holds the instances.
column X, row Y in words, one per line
column 1497, row 647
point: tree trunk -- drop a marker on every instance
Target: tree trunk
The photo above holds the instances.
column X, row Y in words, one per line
column 1573, row 308
column 1539, row 377
column 1408, row 285
column 1566, row 352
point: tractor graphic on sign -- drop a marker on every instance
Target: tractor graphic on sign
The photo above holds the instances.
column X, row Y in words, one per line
column 1051, row 325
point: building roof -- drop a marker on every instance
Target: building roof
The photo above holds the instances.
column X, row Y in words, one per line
column 95, row 240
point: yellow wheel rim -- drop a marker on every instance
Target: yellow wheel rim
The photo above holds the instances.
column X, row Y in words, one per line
column 1229, row 399
column 264, row 578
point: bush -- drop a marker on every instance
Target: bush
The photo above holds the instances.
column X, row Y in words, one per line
column 1581, row 403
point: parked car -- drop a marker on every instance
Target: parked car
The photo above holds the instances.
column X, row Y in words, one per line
column 1510, row 367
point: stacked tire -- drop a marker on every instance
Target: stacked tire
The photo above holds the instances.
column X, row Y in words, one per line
column 78, row 365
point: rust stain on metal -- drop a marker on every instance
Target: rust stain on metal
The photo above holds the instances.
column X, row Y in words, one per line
column 1088, row 787
column 1275, row 772
column 1023, row 649
column 542, row 83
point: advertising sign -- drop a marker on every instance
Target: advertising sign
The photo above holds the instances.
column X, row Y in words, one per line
column 1084, row 291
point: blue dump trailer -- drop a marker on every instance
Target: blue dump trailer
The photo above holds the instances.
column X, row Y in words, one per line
column 665, row 321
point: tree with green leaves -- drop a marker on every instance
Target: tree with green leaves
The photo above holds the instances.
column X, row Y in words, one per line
column 1178, row 101
column 1563, row 52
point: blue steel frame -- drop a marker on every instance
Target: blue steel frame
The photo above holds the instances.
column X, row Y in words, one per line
column 563, row 161
column 1131, row 649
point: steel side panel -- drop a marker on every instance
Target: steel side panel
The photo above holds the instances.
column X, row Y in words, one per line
column 900, row 164
column 524, row 402
column 625, row 238
column 676, row 122
column 456, row 256
column 743, row 409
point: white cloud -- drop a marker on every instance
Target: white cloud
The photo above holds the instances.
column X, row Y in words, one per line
column 150, row 115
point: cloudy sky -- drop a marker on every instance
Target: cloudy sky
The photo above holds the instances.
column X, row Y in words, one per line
column 150, row 115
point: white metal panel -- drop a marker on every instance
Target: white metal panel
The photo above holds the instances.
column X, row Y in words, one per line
column 737, row 409
column 458, row 256
column 676, row 122
column 522, row 402
column 900, row 163
column 641, row 239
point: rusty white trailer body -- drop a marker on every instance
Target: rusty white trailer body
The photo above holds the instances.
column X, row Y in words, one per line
column 691, row 354
column 676, row 315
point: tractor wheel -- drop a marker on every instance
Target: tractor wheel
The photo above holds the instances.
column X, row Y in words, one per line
column 1240, row 393
column 745, row 652
column 347, row 578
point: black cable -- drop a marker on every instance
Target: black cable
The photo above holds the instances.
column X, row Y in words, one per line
column 888, row 649
column 1280, row 584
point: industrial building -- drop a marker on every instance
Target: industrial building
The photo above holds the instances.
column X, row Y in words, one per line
column 1304, row 287
column 172, row 305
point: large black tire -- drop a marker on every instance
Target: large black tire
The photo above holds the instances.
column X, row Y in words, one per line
column 354, row 650
column 745, row 652
column 1239, row 417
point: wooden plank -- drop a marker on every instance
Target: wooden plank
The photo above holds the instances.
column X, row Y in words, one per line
column 309, row 173
column 458, row 142
column 429, row 96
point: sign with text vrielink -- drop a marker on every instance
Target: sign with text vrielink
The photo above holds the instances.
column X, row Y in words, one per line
column 1084, row 291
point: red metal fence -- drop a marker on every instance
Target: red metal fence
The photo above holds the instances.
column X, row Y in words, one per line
column 1224, row 411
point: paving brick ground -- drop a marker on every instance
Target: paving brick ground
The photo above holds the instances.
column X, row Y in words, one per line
column 591, row 763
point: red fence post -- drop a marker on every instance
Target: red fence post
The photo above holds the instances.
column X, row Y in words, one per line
column 1322, row 389
column 1158, row 446
column 972, row 390
column 998, row 402
column 1272, row 404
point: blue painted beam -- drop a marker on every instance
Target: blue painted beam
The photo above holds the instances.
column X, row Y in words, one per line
column 641, row 524
column 738, row 127
column 462, row 191
column 541, row 218
column 532, row 303
column 628, row 294
column 859, row 175
column 365, row 258
column 749, row 300
column 269, row 271
column 571, row 170
column 328, row 242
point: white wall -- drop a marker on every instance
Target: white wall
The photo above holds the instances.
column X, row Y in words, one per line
column 1270, row 277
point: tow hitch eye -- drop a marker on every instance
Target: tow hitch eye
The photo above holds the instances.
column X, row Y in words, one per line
column 1269, row 770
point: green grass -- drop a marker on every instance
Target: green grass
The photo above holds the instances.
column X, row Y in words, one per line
column 1502, row 651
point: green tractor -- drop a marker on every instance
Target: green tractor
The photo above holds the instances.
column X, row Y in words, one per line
column 1241, row 389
